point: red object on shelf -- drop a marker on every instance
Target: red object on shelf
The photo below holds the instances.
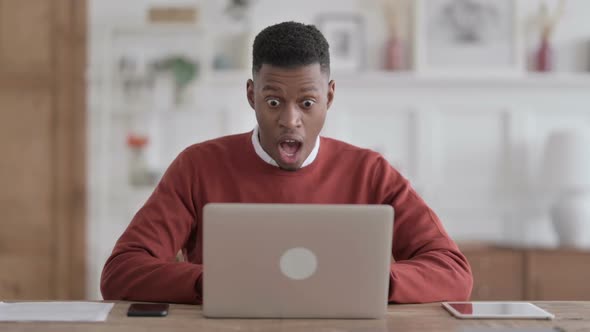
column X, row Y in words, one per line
column 137, row 141
column 393, row 54
column 543, row 57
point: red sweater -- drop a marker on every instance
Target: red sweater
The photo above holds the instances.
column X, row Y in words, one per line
column 428, row 265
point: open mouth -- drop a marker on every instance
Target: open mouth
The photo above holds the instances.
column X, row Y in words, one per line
column 289, row 149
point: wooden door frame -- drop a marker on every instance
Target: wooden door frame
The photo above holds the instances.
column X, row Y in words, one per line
column 70, row 148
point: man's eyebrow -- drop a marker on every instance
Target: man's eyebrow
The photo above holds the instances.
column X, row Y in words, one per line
column 310, row 89
column 271, row 88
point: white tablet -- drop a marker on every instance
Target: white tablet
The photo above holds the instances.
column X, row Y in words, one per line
column 504, row 310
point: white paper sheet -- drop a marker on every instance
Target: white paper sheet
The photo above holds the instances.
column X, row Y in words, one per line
column 55, row 311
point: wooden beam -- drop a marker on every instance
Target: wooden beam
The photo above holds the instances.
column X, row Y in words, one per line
column 78, row 208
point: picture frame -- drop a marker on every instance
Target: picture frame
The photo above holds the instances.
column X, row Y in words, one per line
column 345, row 34
column 467, row 38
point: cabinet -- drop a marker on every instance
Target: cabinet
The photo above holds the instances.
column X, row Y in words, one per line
column 558, row 275
column 498, row 273
column 504, row 273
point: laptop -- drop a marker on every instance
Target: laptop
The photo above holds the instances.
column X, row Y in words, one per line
column 296, row 260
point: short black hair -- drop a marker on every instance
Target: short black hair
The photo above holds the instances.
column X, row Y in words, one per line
column 289, row 45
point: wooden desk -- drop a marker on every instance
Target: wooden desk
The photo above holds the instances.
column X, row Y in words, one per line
column 570, row 316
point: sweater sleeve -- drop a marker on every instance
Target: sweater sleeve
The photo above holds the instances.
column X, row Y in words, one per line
column 428, row 265
column 142, row 266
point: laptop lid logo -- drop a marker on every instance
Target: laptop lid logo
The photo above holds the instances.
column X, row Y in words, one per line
column 298, row 263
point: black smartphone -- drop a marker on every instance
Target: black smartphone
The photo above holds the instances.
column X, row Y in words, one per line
column 148, row 310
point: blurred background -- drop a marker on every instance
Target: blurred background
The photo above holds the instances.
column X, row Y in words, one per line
column 484, row 105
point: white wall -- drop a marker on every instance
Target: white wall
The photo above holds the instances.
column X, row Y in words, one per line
column 471, row 147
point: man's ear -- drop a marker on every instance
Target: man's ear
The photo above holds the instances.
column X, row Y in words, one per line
column 250, row 93
column 331, row 91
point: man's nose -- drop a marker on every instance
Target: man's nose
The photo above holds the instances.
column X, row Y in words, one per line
column 290, row 117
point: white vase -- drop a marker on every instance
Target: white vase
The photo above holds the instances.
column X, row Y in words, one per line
column 571, row 219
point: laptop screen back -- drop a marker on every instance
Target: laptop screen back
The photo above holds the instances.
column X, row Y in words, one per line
column 296, row 260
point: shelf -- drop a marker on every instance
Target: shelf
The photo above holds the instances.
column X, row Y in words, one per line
column 377, row 81
column 413, row 80
column 122, row 111
column 228, row 76
column 372, row 79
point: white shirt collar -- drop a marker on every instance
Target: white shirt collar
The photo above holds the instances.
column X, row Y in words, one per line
column 267, row 158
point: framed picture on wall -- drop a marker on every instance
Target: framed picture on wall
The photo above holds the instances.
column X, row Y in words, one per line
column 467, row 37
column 346, row 35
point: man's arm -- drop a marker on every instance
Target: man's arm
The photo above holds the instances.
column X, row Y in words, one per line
column 142, row 266
column 428, row 265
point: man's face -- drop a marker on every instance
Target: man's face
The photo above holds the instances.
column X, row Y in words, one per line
column 291, row 106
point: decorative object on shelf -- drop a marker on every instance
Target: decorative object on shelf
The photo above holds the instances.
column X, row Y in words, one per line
column 566, row 173
column 238, row 9
column 467, row 37
column 394, row 45
column 233, row 42
column 547, row 22
column 394, row 54
column 223, row 61
column 140, row 174
column 159, row 62
column 346, row 35
column 173, row 15
column 183, row 70
column 135, row 76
